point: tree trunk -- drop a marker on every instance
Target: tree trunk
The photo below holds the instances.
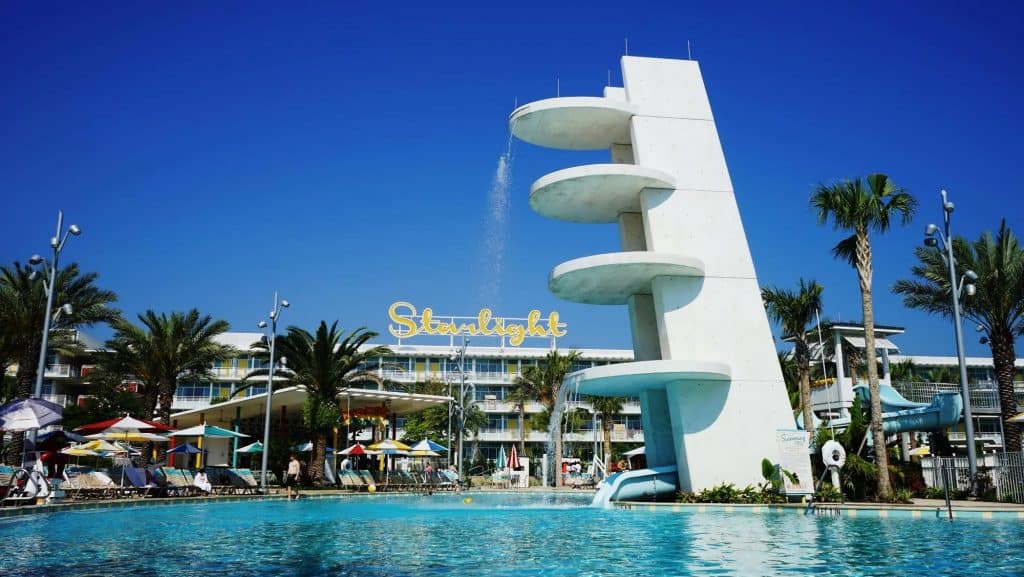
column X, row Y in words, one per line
column 1003, row 358
column 803, row 359
column 877, row 433
column 166, row 388
column 522, row 429
column 25, row 379
column 606, row 426
column 558, row 456
column 316, row 467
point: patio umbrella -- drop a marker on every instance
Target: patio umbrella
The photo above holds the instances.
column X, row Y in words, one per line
column 129, row 437
column 357, row 449
column 256, row 447
column 513, row 459
column 424, row 454
column 27, row 414
column 390, row 447
column 428, row 445
column 55, row 440
column 1018, row 418
column 186, row 449
column 121, row 423
column 920, row 452
column 203, row 431
column 499, row 463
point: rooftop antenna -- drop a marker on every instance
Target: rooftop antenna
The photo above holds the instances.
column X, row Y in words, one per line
column 515, row 103
column 609, row 77
column 627, row 46
column 558, row 86
column 689, row 51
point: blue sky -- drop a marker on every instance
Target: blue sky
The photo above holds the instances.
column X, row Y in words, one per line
column 343, row 153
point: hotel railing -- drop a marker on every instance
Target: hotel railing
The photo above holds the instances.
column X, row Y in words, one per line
column 984, row 396
column 56, row 371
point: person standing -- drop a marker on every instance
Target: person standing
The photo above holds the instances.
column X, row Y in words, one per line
column 292, row 480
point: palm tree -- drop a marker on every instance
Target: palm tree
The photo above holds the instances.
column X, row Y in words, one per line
column 997, row 305
column 794, row 311
column 547, row 376
column 23, row 309
column 790, row 376
column 324, row 365
column 905, row 371
column 871, row 204
column 607, row 408
column 524, row 389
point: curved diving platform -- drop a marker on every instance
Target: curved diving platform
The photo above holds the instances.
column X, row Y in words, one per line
column 637, row 485
column 625, row 379
column 595, row 193
column 573, row 122
column 611, row 278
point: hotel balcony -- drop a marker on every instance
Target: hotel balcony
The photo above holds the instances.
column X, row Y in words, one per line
column 61, row 400
column 59, row 371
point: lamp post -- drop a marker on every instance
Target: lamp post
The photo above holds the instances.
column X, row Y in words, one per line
column 49, row 281
column 946, row 240
column 460, row 359
column 275, row 313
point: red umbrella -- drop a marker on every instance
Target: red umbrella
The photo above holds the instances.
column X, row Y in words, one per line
column 513, row 459
column 124, row 423
column 357, row 449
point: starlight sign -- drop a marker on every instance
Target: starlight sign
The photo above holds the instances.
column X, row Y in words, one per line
column 406, row 322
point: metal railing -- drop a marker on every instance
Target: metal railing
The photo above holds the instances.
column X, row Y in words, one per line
column 983, row 396
column 53, row 371
column 61, row 400
column 1004, row 472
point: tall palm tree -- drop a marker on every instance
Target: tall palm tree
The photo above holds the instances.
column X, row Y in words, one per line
column 607, row 408
column 794, row 310
column 871, row 204
column 324, row 365
column 524, row 389
column 997, row 305
column 163, row 351
column 548, row 377
column 790, row 376
column 23, row 309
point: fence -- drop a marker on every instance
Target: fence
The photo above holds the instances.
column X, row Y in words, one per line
column 1005, row 471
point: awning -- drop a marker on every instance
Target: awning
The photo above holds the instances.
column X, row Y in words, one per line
column 880, row 343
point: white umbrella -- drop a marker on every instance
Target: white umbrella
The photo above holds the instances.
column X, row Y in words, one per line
column 28, row 414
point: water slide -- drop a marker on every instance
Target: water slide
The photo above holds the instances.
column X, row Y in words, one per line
column 900, row 415
column 636, row 485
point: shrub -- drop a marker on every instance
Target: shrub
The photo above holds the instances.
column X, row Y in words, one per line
column 828, row 494
column 905, row 496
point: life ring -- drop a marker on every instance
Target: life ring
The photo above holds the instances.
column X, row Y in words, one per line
column 833, row 454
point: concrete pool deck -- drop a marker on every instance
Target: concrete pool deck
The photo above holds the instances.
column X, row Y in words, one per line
column 921, row 508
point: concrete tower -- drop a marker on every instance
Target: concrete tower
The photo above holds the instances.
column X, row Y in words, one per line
column 711, row 390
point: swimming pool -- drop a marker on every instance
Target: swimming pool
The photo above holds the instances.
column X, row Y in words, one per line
column 495, row 535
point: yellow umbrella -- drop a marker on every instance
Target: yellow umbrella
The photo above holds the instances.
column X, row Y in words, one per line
column 129, row 436
column 1018, row 418
column 920, row 452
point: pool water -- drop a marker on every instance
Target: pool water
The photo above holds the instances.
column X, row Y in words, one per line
column 494, row 535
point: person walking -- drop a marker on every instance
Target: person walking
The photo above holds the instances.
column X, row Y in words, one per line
column 292, row 480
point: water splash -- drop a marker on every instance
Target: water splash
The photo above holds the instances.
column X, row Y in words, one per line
column 569, row 392
column 496, row 234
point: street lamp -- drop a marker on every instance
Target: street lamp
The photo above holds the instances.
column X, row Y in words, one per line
column 275, row 313
column 460, row 359
column 49, row 281
column 958, row 289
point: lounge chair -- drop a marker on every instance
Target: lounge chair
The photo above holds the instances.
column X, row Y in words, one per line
column 244, row 481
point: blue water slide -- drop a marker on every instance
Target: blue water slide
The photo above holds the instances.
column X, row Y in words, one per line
column 892, row 401
column 636, row 485
column 900, row 415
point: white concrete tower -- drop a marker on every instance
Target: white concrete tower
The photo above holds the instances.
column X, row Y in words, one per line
column 709, row 382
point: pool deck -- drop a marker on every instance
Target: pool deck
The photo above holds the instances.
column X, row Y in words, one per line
column 921, row 508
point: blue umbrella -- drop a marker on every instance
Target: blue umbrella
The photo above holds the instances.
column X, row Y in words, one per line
column 428, row 445
column 186, row 449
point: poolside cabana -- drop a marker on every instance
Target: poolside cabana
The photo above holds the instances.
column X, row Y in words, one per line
column 286, row 403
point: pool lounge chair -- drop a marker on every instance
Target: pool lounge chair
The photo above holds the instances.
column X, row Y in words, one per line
column 177, row 484
column 244, row 481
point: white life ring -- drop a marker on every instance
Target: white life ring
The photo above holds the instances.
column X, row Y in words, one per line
column 833, row 454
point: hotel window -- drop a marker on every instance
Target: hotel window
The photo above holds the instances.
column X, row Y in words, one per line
column 194, row 391
column 497, row 422
column 580, row 365
column 488, row 366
